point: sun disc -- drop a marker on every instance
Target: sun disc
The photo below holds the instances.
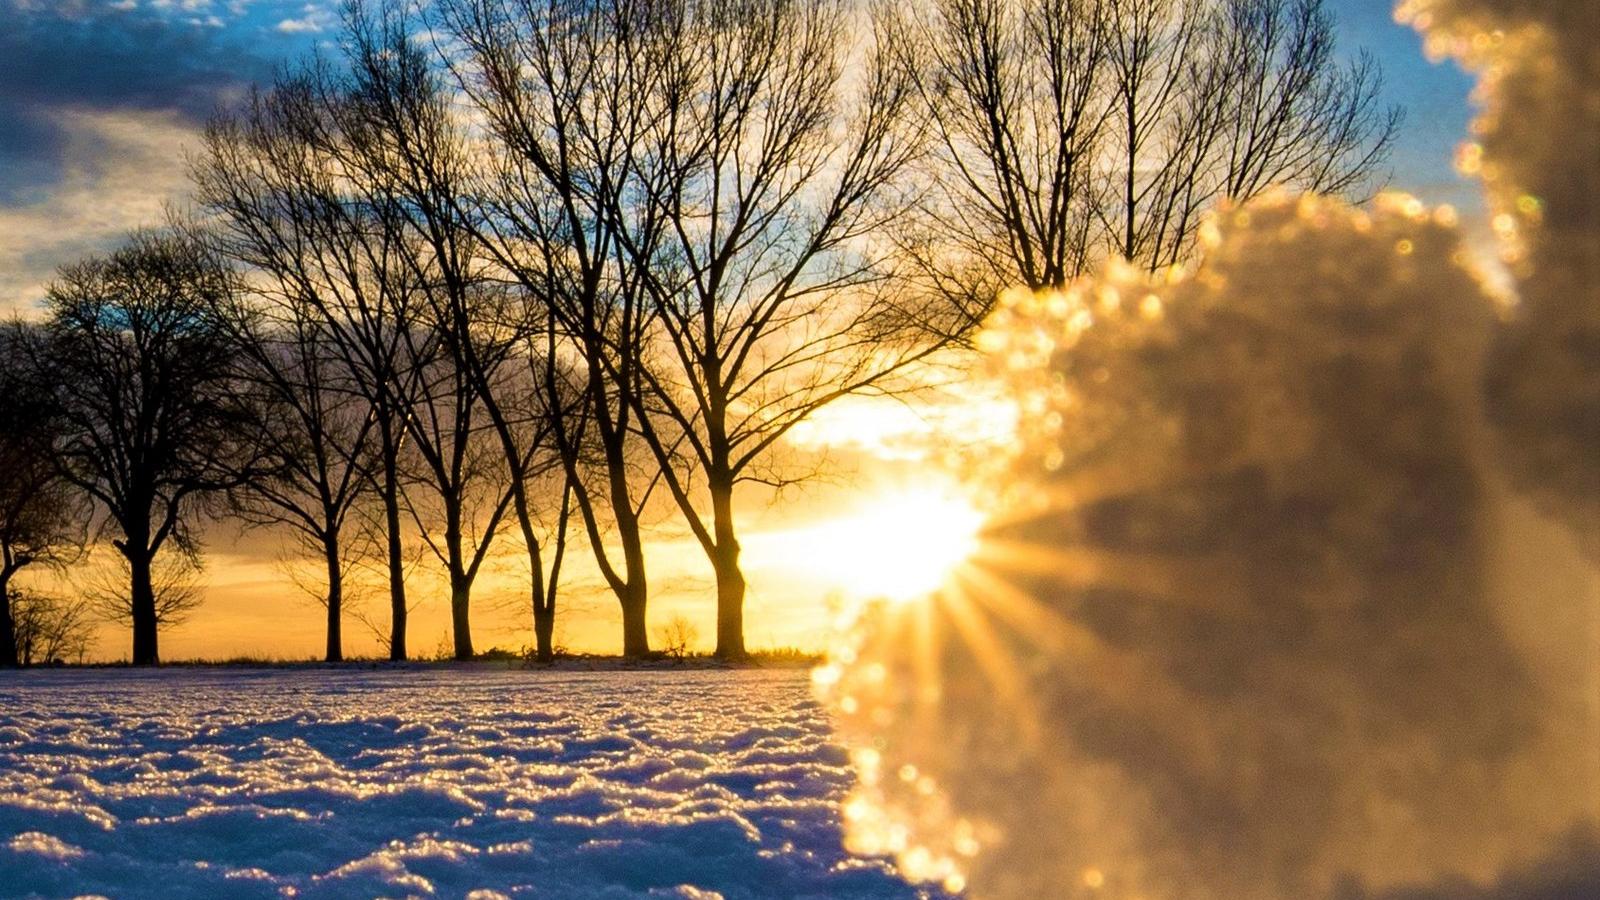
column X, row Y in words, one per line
column 903, row 545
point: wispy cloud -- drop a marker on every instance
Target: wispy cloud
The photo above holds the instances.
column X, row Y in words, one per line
column 312, row 19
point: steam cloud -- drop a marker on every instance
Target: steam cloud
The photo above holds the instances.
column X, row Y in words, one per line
column 1539, row 66
column 1265, row 612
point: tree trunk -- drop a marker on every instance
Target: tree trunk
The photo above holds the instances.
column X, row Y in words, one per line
column 8, row 626
column 544, row 629
column 730, row 578
column 142, row 598
column 335, row 650
column 635, row 591
column 460, row 581
column 635, row 637
column 544, row 614
column 460, row 623
column 397, row 575
column 631, row 588
column 730, row 604
column 544, row 592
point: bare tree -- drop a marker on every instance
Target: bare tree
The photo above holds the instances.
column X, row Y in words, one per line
column 548, row 402
column 1072, row 130
column 1017, row 107
column 459, row 490
column 42, row 521
column 50, row 628
column 491, row 333
column 275, row 177
column 561, row 88
column 413, row 153
column 174, row 585
column 149, row 412
column 315, row 433
column 774, row 166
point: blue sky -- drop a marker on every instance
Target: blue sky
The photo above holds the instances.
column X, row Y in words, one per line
column 100, row 98
column 1435, row 97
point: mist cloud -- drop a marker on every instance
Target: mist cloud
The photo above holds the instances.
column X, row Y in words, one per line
column 1540, row 138
column 1264, row 613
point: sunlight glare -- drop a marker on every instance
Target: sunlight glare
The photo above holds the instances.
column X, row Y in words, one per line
column 901, row 546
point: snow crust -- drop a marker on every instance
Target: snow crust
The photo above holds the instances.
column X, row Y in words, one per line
column 337, row 783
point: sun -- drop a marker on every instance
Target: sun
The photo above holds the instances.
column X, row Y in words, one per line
column 900, row 545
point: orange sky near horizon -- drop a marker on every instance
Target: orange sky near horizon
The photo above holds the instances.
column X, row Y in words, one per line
column 883, row 515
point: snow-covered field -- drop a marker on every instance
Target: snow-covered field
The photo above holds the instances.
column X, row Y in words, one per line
column 449, row 783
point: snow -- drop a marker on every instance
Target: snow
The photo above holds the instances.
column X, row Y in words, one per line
column 450, row 783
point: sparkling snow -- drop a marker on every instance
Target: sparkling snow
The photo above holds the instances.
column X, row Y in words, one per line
column 450, row 783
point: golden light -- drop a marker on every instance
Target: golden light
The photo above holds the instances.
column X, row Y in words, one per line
column 899, row 545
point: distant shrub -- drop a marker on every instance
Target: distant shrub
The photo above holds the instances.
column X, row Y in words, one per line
column 50, row 630
column 445, row 650
column 503, row 654
column 789, row 656
column 677, row 637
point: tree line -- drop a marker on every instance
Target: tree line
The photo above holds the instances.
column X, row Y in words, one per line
column 526, row 266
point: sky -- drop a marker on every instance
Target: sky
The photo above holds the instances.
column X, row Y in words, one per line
column 98, row 101
column 101, row 99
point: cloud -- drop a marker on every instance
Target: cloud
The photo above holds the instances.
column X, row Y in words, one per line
column 313, row 19
column 111, row 57
column 78, row 77
column 116, row 170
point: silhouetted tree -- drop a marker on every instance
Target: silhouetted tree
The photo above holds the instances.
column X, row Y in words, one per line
column 275, row 176
column 562, row 87
column 41, row 517
column 314, row 430
column 775, row 153
column 1067, row 131
column 414, row 147
column 406, row 148
column 532, row 402
column 140, row 372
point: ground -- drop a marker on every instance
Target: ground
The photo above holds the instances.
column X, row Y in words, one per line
column 422, row 782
